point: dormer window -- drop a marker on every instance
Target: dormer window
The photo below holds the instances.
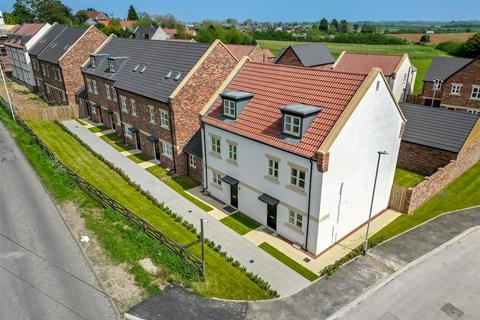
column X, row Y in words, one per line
column 111, row 65
column 229, row 108
column 93, row 63
column 292, row 125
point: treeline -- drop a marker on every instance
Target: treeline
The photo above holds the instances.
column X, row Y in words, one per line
column 208, row 33
column 468, row 49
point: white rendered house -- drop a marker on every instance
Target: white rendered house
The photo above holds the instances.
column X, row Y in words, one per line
column 296, row 149
column 17, row 46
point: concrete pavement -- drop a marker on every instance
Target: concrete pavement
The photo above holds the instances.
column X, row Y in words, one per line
column 31, row 288
column 279, row 276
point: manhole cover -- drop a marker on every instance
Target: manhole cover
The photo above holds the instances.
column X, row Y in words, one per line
column 452, row 311
column 306, row 260
column 229, row 209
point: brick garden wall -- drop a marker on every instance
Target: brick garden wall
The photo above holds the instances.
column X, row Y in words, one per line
column 422, row 159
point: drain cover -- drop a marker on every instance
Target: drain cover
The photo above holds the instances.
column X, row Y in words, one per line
column 252, row 261
column 307, row 260
column 452, row 311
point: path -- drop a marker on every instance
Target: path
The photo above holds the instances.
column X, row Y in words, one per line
column 280, row 277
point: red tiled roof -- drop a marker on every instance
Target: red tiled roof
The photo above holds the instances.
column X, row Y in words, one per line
column 240, row 50
column 94, row 14
column 170, row 31
column 25, row 30
column 127, row 23
column 275, row 86
column 363, row 63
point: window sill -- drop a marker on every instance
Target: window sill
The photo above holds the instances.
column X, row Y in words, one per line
column 167, row 156
column 232, row 162
column 216, row 155
column 474, row 99
column 165, row 127
column 272, row 179
column 151, row 122
column 296, row 189
column 455, row 94
column 193, row 167
column 293, row 227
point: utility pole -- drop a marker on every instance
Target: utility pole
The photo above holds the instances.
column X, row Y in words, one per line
column 365, row 246
column 202, row 236
column 7, row 92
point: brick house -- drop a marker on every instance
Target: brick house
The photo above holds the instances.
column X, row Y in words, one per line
column 151, row 93
column 254, row 52
column 57, row 59
column 398, row 70
column 20, row 41
column 453, row 83
column 315, row 55
column 296, row 153
column 434, row 137
column 4, row 30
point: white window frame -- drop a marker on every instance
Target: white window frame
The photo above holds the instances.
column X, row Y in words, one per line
column 133, row 106
column 229, row 108
column 58, row 75
column 151, row 111
column 232, row 151
column 93, row 64
column 437, row 84
column 64, row 97
column 89, row 85
column 167, row 149
column 114, row 94
column 216, row 145
column 296, row 179
column 94, row 111
column 455, row 90
column 295, row 219
column 126, row 131
column 475, row 94
column 289, row 126
column 164, row 119
column 192, row 161
column 273, row 166
column 94, row 86
column 107, row 91
column 217, row 178
column 123, row 104
column 111, row 65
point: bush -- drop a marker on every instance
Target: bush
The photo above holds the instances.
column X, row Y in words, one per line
column 454, row 48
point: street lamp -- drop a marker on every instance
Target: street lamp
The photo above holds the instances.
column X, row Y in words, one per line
column 437, row 84
column 365, row 246
column 7, row 92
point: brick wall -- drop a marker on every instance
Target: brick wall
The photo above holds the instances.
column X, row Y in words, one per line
column 422, row 159
column 72, row 61
column 433, row 184
column 467, row 77
column 290, row 58
column 259, row 54
column 55, row 88
column 196, row 173
column 102, row 100
column 187, row 104
column 37, row 72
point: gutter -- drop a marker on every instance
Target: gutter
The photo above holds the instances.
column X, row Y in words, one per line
column 205, row 185
column 308, row 208
column 170, row 109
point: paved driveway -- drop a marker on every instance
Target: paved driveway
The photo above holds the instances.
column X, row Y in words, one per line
column 31, row 288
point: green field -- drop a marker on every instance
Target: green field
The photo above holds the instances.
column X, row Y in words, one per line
column 222, row 279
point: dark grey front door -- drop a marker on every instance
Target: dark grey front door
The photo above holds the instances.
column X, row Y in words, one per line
column 234, row 195
column 137, row 140
column 112, row 120
column 272, row 216
column 156, row 148
column 100, row 116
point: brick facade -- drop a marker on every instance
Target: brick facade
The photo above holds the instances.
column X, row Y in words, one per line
column 291, row 59
column 259, row 54
column 422, row 159
column 197, row 172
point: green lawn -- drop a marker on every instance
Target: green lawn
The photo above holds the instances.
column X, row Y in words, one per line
column 139, row 157
column 98, row 129
column 81, row 122
column 240, row 223
column 422, row 66
column 414, row 51
column 407, row 179
column 115, row 141
column 158, row 171
column 292, row 264
column 463, row 192
column 221, row 279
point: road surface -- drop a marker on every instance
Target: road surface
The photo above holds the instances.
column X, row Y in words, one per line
column 30, row 287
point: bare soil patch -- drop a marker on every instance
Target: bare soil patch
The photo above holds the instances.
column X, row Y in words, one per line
column 435, row 38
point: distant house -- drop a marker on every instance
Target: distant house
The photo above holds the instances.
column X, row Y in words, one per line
column 58, row 57
column 172, row 33
column 398, row 70
column 151, row 33
column 4, row 30
column 290, row 149
column 127, row 24
column 95, row 17
column 434, row 137
column 19, row 41
column 453, row 83
column 254, row 52
column 314, row 55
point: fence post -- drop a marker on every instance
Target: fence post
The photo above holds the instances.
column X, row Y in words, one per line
column 202, row 236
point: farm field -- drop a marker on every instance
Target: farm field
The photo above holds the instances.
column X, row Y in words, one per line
column 421, row 56
column 435, row 38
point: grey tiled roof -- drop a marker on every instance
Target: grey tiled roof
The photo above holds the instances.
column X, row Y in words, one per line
column 194, row 146
column 437, row 127
column 58, row 46
column 52, row 33
column 311, row 55
column 159, row 58
column 442, row 68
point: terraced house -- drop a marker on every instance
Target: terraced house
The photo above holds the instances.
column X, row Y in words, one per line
column 151, row 93
column 296, row 149
column 57, row 59
column 19, row 41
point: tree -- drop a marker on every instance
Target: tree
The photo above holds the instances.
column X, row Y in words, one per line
column 323, row 25
column 343, row 26
column 231, row 35
column 425, row 39
column 41, row 11
column 81, row 17
column 132, row 13
column 334, row 25
column 368, row 28
column 471, row 47
column 22, row 13
column 9, row 18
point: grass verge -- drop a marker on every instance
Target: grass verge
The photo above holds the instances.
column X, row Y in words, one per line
column 98, row 129
column 407, row 179
column 292, row 264
column 115, row 141
column 139, row 158
column 223, row 277
column 240, row 223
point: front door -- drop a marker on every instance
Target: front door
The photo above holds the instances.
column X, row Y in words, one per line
column 100, row 117
column 272, row 216
column 137, row 140
column 234, row 195
column 112, row 121
column 156, row 150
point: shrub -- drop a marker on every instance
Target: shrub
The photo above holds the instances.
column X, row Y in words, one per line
column 454, row 48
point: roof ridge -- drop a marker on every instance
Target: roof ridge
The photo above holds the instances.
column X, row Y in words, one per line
column 307, row 69
column 376, row 55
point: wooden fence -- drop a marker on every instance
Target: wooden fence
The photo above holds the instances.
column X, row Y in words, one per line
column 415, row 99
column 398, row 198
column 107, row 201
column 59, row 113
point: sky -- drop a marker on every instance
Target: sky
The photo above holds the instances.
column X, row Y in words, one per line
column 288, row 10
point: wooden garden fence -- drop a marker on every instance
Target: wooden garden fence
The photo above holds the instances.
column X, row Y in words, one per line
column 398, row 198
